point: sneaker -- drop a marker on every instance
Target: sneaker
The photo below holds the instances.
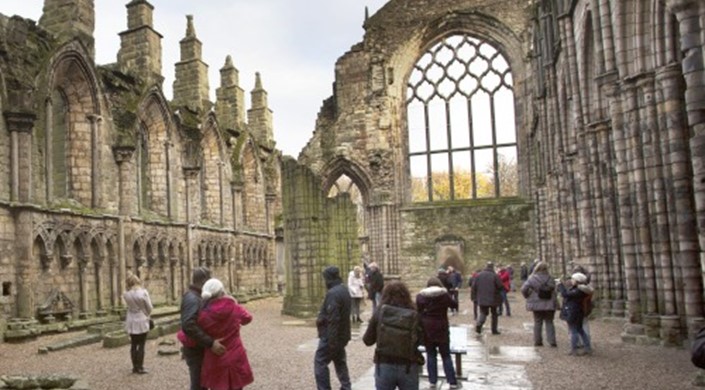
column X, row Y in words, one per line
column 538, row 344
column 455, row 386
column 478, row 329
column 497, row 332
column 554, row 345
column 432, row 386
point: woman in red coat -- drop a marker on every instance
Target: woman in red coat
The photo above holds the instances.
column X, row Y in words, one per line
column 221, row 317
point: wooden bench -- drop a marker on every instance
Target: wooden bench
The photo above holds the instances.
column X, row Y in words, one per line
column 458, row 348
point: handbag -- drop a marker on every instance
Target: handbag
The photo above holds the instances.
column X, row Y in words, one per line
column 151, row 324
column 545, row 292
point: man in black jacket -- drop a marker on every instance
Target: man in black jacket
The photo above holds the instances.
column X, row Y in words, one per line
column 190, row 304
column 333, row 325
column 486, row 289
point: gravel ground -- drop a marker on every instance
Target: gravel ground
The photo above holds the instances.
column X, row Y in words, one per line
column 281, row 354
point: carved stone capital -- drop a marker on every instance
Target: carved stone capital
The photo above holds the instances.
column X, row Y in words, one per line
column 20, row 122
column 123, row 153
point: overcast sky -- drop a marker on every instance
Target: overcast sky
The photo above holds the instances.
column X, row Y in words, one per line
column 294, row 45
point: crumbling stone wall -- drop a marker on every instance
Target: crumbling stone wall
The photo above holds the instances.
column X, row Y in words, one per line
column 151, row 187
column 361, row 132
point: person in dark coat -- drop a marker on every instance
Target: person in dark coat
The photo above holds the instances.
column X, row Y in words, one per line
column 456, row 282
column 433, row 303
column 471, row 281
column 544, row 310
column 333, row 325
column 486, row 289
column 524, row 273
column 194, row 339
column 375, row 281
column 573, row 314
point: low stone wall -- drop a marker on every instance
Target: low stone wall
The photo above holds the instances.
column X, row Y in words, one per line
column 42, row 382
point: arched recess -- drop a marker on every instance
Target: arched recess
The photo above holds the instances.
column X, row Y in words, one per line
column 72, row 130
column 157, row 157
column 214, row 179
column 253, row 196
column 342, row 176
column 591, row 94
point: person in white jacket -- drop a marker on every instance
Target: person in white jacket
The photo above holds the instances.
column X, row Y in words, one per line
column 139, row 308
column 356, row 284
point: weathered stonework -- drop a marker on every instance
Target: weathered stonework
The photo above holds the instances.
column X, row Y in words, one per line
column 610, row 125
column 103, row 175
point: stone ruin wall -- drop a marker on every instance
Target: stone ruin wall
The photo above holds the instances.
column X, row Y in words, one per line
column 152, row 187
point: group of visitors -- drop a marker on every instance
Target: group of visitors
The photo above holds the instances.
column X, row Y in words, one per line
column 216, row 357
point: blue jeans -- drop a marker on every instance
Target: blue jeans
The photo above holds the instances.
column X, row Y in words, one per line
column 505, row 302
column 575, row 331
column 391, row 376
column 320, row 367
column 194, row 360
column 432, row 363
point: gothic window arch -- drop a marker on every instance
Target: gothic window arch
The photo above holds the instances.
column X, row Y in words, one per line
column 345, row 185
column 461, row 126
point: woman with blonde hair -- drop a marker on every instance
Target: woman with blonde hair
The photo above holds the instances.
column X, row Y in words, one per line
column 356, row 283
column 139, row 308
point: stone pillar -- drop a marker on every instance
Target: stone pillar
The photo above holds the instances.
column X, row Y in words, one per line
column 122, row 260
column 269, row 207
column 645, row 166
column 127, row 186
column 83, row 287
column 27, row 272
column 20, row 126
column 689, row 14
column 236, row 189
column 190, row 178
column 95, row 123
column 624, row 191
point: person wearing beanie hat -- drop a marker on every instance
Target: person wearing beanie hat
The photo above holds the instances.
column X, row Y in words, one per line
column 333, row 332
column 221, row 317
column 573, row 312
column 213, row 288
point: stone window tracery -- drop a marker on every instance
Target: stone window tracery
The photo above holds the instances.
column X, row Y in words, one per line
column 461, row 126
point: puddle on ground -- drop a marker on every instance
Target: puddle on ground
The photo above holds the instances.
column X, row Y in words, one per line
column 514, row 354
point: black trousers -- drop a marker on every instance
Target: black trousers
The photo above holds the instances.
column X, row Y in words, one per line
column 137, row 342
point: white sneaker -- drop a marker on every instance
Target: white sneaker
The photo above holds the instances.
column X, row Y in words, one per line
column 455, row 386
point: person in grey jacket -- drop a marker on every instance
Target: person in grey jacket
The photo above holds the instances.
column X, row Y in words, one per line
column 486, row 289
column 544, row 310
column 333, row 325
column 139, row 308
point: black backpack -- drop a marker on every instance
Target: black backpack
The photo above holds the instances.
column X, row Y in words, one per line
column 398, row 333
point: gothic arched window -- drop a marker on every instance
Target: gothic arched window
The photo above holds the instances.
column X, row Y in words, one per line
column 461, row 128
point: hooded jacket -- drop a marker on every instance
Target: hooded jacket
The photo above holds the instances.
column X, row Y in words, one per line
column 433, row 303
column 573, row 302
column 333, row 320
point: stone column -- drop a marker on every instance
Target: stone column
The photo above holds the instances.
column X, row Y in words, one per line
column 683, row 229
column 83, row 287
column 95, row 122
column 168, row 145
column 645, row 173
column 27, row 272
column 127, row 185
column 20, row 126
column 236, row 189
column 190, row 177
column 623, row 145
